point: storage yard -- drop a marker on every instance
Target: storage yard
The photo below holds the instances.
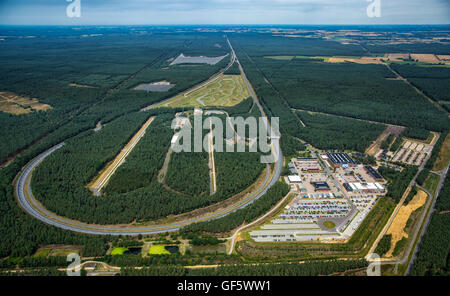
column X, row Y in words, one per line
column 412, row 153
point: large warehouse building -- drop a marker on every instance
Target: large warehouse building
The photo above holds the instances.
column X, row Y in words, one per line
column 340, row 160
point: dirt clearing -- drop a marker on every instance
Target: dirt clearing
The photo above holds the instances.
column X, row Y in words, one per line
column 14, row 104
column 398, row 225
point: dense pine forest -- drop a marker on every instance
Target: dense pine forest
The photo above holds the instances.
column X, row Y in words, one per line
column 348, row 89
column 331, row 132
column 142, row 165
column 432, row 80
column 262, row 269
column 434, row 250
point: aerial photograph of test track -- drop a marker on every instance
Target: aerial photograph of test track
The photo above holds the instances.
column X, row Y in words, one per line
column 203, row 139
column 30, row 205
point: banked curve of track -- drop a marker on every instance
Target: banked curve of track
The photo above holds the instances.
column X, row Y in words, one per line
column 30, row 205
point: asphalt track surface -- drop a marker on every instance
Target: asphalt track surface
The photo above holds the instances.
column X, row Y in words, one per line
column 30, row 205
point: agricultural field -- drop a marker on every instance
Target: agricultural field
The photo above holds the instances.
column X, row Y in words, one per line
column 226, row 90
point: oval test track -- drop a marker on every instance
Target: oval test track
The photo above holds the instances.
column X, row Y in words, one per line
column 28, row 202
column 30, row 205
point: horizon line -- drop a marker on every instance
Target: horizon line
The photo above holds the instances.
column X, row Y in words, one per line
column 193, row 25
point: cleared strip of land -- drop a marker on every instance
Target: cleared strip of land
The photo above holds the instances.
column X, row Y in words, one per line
column 212, row 166
column 104, row 177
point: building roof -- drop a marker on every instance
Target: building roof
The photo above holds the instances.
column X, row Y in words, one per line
column 347, row 187
column 368, row 186
column 340, row 158
column 294, row 179
column 372, row 172
column 321, row 185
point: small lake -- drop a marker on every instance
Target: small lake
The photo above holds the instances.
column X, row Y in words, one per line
column 172, row 249
column 220, row 248
column 133, row 251
column 155, row 86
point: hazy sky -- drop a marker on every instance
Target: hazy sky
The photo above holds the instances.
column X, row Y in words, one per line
column 53, row 12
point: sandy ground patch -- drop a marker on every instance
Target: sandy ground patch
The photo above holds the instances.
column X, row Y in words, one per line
column 397, row 227
column 425, row 58
column 375, row 146
column 390, row 129
column 14, row 104
column 81, row 85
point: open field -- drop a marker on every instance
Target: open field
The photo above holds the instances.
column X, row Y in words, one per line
column 399, row 223
column 43, row 252
column 432, row 182
column 14, row 104
column 362, row 60
column 444, row 155
column 158, row 250
column 118, row 251
column 226, row 90
column 64, row 252
column 398, row 56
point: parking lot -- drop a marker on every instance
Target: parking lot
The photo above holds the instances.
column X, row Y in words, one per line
column 329, row 206
column 412, row 153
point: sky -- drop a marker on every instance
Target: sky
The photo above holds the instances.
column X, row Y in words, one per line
column 141, row 12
